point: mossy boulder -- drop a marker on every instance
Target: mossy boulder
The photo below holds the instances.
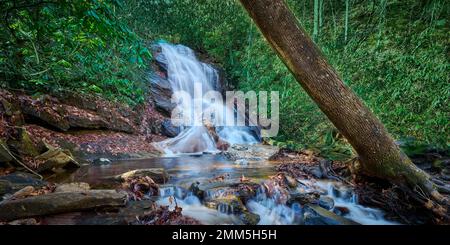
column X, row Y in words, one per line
column 23, row 144
column 5, row 154
column 55, row 159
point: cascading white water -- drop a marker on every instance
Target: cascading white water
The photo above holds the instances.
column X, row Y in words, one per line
column 184, row 70
column 272, row 212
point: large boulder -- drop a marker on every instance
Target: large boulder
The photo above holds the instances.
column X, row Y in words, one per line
column 39, row 110
column 78, row 113
column 55, row 159
column 62, row 202
column 23, row 144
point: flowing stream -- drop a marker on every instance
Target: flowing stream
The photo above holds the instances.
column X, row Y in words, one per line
column 186, row 163
column 185, row 170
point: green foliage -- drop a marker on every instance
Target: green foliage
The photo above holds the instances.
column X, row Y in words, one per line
column 394, row 54
column 76, row 44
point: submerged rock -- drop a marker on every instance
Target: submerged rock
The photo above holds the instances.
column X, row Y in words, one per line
column 62, row 202
column 315, row 215
column 341, row 210
column 102, row 161
column 24, row 192
column 18, row 180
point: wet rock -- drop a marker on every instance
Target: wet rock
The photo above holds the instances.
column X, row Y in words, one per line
column 326, row 202
column 168, row 129
column 291, row 182
column 304, row 198
column 205, row 186
column 315, row 171
column 73, row 187
column 341, row 210
column 159, row 175
column 249, row 218
column 102, row 161
column 315, row 215
column 24, row 192
column 161, row 61
column 62, row 202
column 240, row 147
column 230, row 204
column 247, row 191
column 230, row 156
column 18, row 180
column 196, row 191
column 55, row 159
column 342, row 192
column 161, row 92
column 222, row 145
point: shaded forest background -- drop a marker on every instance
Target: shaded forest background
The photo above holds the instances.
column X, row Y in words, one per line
column 394, row 54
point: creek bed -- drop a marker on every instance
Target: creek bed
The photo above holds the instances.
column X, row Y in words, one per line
column 187, row 169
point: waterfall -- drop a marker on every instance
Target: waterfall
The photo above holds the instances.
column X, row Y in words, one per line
column 187, row 74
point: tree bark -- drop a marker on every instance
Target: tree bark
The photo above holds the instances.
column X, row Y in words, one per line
column 378, row 154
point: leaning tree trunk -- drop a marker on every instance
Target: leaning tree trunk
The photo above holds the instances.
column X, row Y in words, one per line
column 379, row 156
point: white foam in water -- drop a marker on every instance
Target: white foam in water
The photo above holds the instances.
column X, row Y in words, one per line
column 192, row 207
column 270, row 212
column 184, row 70
column 358, row 213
